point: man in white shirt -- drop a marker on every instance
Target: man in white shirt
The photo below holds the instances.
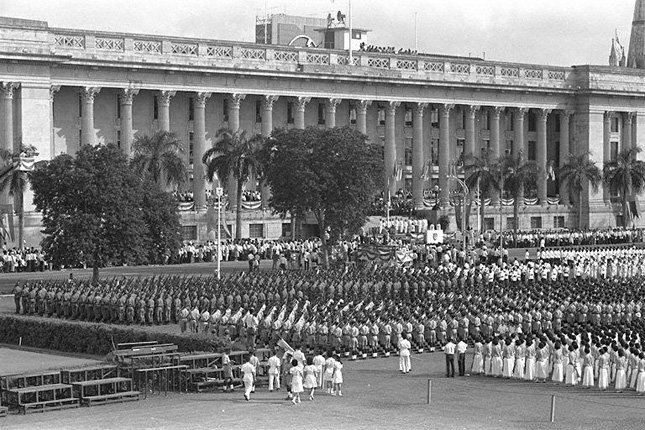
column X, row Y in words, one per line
column 461, row 360
column 449, row 350
column 248, row 370
column 274, row 372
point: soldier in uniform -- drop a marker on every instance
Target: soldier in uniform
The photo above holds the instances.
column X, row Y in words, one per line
column 17, row 295
column 129, row 310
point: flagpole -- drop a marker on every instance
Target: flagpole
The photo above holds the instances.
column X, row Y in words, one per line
column 351, row 35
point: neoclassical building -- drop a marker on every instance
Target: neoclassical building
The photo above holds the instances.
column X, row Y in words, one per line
column 62, row 88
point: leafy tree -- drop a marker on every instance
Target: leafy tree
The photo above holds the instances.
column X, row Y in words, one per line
column 13, row 179
column 234, row 154
column 483, row 174
column 331, row 173
column 518, row 174
column 96, row 208
column 577, row 171
column 164, row 228
column 626, row 175
column 159, row 157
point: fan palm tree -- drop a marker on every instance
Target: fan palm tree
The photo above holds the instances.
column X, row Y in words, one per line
column 482, row 174
column 626, row 175
column 518, row 174
column 159, row 157
column 13, row 180
column 577, row 171
column 234, row 154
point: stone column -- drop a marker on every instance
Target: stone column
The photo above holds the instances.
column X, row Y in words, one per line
column 299, row 105
column 199, row 181
column 88, row 135
column 52, row 139
column 330, row 117
column 267, row 128
column 470, row 130
column 390, row 146
column 8, row 89
column 163, row 103
column 606, row 148
column 444, row 151
column 628, row 120
column 520, row 140
column 543, row 115
column 495, row 113
column 565, row 117
column 234, row 101
column 361, row 115
column 127, row 96
column 418, row 157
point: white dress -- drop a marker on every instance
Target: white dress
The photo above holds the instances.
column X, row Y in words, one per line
column 329, row 369
column 310, row 377
column 296, row 379
column 338, row 373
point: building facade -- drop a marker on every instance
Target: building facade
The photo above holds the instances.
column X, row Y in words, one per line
column 62, row 88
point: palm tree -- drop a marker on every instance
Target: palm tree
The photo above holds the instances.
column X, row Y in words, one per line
column 159, row 157
column 626, row 175
column 518, row 174
column 577, row 171
column 482, row 174
column 13, row 180
column 234, row 154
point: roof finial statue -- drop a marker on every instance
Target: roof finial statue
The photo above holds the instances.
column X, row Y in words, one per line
column 613, row 55
column 636, row 55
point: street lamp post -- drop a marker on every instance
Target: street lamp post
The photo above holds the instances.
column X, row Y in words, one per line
column 219, row 192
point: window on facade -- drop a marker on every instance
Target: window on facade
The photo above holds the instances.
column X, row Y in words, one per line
column 352, row 115
column 80, row 138
column 557, row 123
column 510, row 223
column 408, row 151
column 509, row 147
column 408, row 116
column 536, row 222
column 532, row 121
column 256, row 230
column 532, row 150
column 614, row 124
column 290, row 118
column 381, row 115
column 461, row 119
column 118, row 106
column 189, row 232
column 286, row 229
column 614, row 151
column 321, row 114
column 225, row 110
column 459, row 155
column 434, row 151
column 191, row 144
column 486, row 119
column 510, row 121
column 489, row 223
column 191, row 109
column 381, row 141
column 80, row 106
column 558, row 222
column 155, row 107
column 118, row 138
column 258, row 111
column 619, row 220
column 434, row 118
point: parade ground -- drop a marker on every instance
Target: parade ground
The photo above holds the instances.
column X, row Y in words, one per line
column 375, row 396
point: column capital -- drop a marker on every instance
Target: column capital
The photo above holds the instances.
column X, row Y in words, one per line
column 89, row 93
column 521, row 111
column 607, row 115
column 445, row 109
column 301, row 102
column 53, row 90
column 390, row 108
column 235, row 99
column 566, row 113
column 418, row 108
column 127, row 95
column 543, row 114
column 332, row 103
column 8, row 88
column 268, row 101
column 200, row 99
column 496, row 111
column 165, row 96
column 472, row 110
column 362, row 105
column 629, row 117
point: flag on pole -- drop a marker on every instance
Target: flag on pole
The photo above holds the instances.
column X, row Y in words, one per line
column 284, row 345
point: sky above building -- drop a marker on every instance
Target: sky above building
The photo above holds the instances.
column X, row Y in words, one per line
column 553, row 32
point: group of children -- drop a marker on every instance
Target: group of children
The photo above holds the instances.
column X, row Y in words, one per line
column 295, row 371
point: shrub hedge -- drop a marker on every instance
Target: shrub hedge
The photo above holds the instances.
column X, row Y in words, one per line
column 91, row 338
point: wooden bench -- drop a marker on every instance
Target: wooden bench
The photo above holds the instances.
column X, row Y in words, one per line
column 23, row 380
column 105, row 391
column 42, row 398
column 200, row 361
column 162, row 379
column 130, row 345
column 204, row 378
column 70, row 376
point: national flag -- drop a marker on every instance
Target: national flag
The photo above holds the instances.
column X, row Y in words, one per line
column 284, row 345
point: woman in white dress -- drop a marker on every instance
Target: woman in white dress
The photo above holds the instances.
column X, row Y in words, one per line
column 328, row 374
column 587, row 369
column 603, row 369
column 529, row 373
column 620, row 383
column 572, row 372
column 557, row 376
column 478, row 358
column 311, row 379
column 640, row 379
column 496, row 359
column 542, row 366
column 296, row 381
column 509, row 358
column 337, row 378
column 520, row 359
